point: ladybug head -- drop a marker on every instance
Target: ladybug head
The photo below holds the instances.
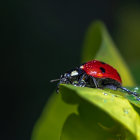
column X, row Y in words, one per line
column 68, row 77
column 65, row 78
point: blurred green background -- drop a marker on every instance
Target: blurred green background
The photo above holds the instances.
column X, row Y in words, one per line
column 42, row 39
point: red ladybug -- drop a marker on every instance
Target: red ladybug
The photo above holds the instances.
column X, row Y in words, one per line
column 95, row 74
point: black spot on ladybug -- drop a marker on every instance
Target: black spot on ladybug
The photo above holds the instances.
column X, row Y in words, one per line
column 102, row 69
column 103, row 62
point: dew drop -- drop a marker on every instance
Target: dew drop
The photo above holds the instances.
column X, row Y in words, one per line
column 105, row 93
column 136, row 89
column 105, row 101
column 113, row 95
column 125, row 111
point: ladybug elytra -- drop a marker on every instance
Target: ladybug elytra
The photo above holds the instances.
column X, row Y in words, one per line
column 94, row 74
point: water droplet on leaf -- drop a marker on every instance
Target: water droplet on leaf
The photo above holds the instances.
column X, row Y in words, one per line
column 125, row 111
column 105, row 101
column 136, row 89
column 105, row 93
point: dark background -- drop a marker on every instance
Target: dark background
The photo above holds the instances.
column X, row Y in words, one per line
column 42, row 39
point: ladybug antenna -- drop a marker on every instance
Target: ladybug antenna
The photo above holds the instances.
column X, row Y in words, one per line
column 128, row 91
column 54, row 80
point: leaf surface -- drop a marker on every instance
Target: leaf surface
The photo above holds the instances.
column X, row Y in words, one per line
column 111, row 106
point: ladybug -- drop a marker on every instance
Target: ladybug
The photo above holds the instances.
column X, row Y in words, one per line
column 94, row 74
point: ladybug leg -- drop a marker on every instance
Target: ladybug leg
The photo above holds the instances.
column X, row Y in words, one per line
column 94, row 81
column 128, row 91
column 81, row 81
column 62, row 81
column 57, row 88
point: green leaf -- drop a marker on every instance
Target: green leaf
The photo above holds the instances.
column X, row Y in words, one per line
column 109, row 110
column 132, row 99
column 52, row 119
column 49, row 126
column 89, row 129
column 98, row 45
